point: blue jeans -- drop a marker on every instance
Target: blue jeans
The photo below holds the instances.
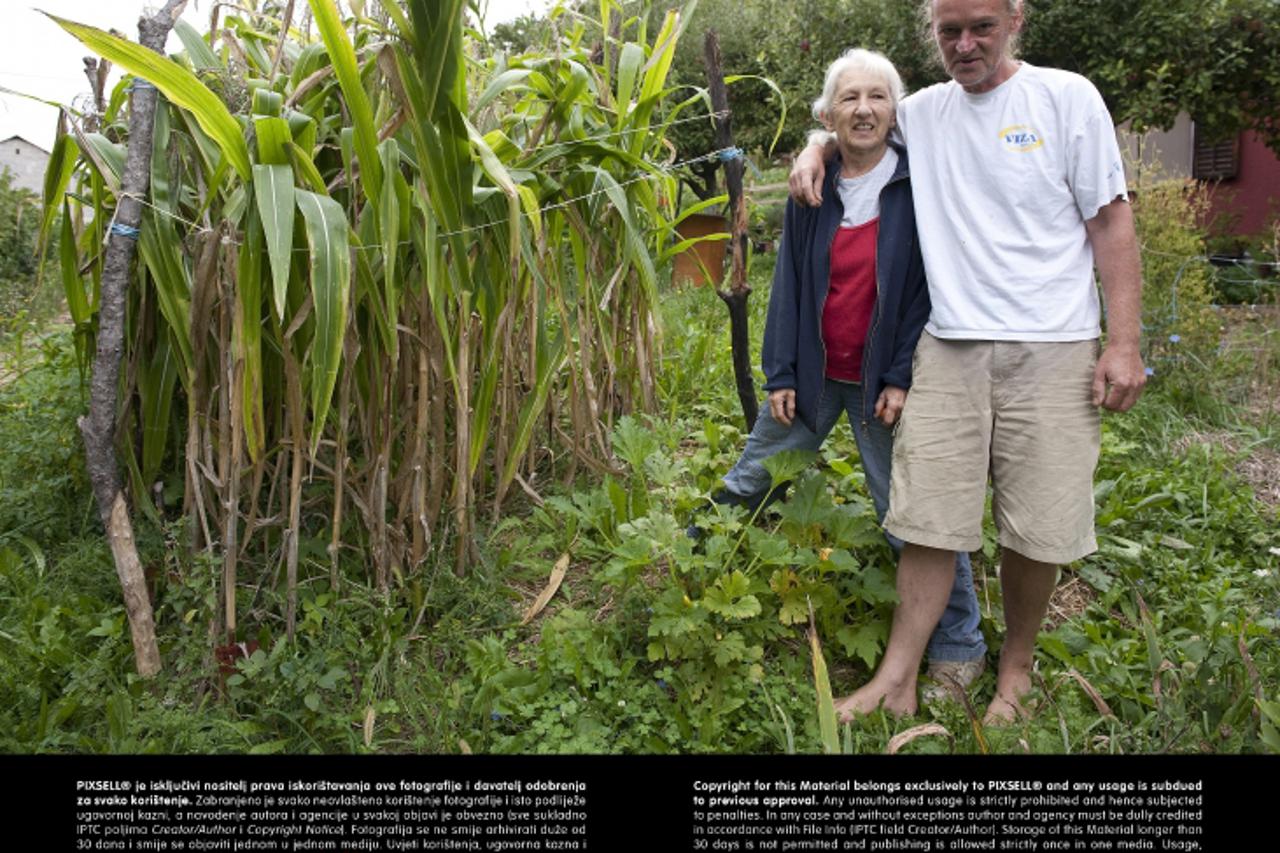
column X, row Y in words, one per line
column 957, row 637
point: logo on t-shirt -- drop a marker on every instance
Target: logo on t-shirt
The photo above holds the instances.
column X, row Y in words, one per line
column 1021, row 138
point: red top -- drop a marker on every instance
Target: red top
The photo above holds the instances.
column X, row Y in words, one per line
column 851, row 297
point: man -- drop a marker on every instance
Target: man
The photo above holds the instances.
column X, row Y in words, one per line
column 1019, row 193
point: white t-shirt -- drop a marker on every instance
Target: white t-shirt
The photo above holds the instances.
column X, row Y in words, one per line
column 1003, row 183
column 861, row 195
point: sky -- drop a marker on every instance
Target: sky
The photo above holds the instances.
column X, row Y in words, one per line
column 38, row 58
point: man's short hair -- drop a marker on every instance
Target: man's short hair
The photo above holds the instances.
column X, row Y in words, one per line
column 926, row 8
column 859, row 59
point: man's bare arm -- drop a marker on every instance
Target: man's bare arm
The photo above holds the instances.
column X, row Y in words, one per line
column 809, row 168
column 1120, row 376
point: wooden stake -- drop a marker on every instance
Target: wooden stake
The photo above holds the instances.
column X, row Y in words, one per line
column 98, row 427
column 736, row 297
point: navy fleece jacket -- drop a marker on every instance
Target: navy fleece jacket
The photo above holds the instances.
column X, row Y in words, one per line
column 793, row 355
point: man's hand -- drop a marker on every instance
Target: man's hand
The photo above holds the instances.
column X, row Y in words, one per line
column 782, row 405
column 1118, row 379
column 889, row 404
column 807, row 173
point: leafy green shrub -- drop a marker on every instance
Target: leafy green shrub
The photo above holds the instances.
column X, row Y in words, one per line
column 716, row 624
column 42, row 474
column 19, row 226
column 1181, row 329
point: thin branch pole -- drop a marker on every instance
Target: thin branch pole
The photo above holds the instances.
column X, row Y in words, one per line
column 736, row 297
column 98, row 427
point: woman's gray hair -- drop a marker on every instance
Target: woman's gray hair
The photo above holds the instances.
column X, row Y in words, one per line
column 858, row 59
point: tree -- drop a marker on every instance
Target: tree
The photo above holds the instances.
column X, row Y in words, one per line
column 1219, row 60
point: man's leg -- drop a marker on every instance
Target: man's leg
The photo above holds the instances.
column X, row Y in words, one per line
column 925, row 576
column 1043, row 452
column 1027, row 586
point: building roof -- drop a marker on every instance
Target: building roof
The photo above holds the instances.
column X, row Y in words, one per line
column 22, row 139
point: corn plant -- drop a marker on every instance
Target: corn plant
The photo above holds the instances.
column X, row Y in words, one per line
column 383, row 277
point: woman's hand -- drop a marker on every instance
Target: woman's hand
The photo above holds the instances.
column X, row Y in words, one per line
column 782, row 405
column 889, row 404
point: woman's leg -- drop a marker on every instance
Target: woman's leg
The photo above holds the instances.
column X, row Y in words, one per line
column 748, row 481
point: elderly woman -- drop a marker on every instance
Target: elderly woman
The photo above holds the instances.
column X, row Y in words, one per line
column 848, row 304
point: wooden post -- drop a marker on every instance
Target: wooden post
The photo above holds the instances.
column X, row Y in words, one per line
column 98, row 426
column 735, row 298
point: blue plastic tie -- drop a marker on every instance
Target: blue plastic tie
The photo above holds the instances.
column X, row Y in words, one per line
column 139, row 84
column 731, row 154
column 125, row 231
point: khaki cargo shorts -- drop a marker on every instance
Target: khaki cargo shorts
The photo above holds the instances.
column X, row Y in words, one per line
column 1020, row 413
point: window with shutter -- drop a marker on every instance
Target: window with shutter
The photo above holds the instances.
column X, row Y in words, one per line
column 1215, row 160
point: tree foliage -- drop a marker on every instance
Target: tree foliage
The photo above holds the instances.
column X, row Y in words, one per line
column 1219, row 60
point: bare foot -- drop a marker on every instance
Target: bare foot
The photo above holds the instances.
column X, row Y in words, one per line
column 1012, row 684
column 899, row 701
column 1004, row 711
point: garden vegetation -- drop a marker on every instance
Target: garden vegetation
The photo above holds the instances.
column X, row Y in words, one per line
column 413, row 426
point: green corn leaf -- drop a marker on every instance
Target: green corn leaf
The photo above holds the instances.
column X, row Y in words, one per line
column 158, row 248
column 369, row 288
column 343, row 57
column 635, row 243
column 247, row 343
column 328, row 237
column 274, row 191
column 782, row 102
column 310, row 59
column 155, row 388
column 107, row 158
column 482, row 406
column 510, row 80
column 490, row 163
column 274, row 136
column 655, row 78
column 550, row 360
column 72, row 284
column 306, row 168
column 165, row 262
column 689, row 243
column 267, row 103
column 178, row 84
column 628, row 70
column 568, row 98
column 397, row 17
column 714, row 201
column 389, row 221
column 303, row 129
column 198, row 50
column 57, row 176
column 529, row 203
column 140, row 487
column 438, row 48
